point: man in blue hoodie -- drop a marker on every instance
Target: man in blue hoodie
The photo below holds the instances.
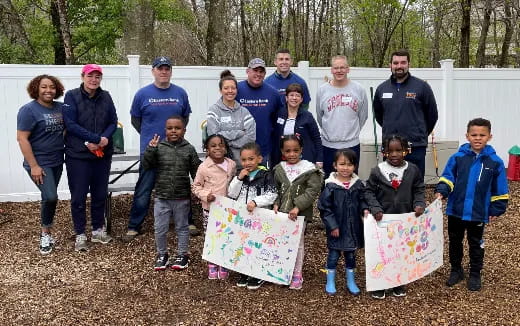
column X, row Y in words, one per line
column 405, row 105
column 283, row 77
column 263, row 102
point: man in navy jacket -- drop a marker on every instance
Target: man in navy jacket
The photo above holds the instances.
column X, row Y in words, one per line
column 405, row 105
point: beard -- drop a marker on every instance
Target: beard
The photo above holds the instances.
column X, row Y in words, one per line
column 399, row 73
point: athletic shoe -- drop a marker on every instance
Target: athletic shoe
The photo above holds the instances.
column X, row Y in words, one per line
column 130, row 235
column 254, row 283
column 399, row 291
column 46, row 243
column 456, row 275
column 193, row 230
column 242, row 281
column 223, row 273
column 180, row 262
column 474, row 283
column 380, row 295
column 100, row 236
column 81, row 243
column 212, row 272
column 161, row 262
column 296, row 283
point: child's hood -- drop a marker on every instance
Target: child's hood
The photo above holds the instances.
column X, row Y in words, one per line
column 180, row 142
column 488, row 150
column 305, row 166
column 333, row 179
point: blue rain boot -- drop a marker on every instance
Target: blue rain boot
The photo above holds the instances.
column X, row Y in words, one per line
column 351, row 282
column 330, row 287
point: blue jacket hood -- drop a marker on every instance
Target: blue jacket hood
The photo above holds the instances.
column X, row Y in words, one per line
column 488, row 150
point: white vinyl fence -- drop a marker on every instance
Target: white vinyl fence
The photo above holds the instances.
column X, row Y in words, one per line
column 462, row 94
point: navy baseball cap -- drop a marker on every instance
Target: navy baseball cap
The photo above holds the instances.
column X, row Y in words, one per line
column 162, row 61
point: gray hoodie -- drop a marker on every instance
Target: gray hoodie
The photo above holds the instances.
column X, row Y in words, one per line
column 236, row 124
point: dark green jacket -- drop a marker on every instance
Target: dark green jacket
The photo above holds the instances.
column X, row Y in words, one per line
column 175, row 162
column 301, row 193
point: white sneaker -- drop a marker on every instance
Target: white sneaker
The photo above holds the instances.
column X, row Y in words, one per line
column 46, row 243
column 81, row 242
column 101, row 236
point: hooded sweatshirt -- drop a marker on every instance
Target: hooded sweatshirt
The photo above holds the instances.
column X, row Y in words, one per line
column 236, row 124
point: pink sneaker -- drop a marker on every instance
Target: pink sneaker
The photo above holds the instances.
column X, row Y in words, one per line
column 212, row 272
column 297, row 282
column 222, row 273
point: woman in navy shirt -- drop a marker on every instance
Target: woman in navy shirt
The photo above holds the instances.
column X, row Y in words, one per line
column 40, row 136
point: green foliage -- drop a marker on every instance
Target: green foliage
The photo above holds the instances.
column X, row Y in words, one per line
column 172, row 11
column 95, row 27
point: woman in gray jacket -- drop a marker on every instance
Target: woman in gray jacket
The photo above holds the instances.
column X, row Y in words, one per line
column 229, row 119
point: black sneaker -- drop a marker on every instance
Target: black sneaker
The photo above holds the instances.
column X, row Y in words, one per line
column 399, row 291
column 254, row 283
column 456, row 276
column 380, row 295
column 242, row 281
column 161, row 262
column 474, row 283
column 180, row 262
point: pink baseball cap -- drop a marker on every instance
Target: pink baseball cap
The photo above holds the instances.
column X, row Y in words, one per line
column 87, row 69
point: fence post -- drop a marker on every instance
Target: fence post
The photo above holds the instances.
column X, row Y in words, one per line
column 133, row 73
column 304, row 72
column 447, row 112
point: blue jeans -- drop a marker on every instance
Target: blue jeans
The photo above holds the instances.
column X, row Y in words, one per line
column 88, row 176
column 333, row 257
column 141, row 202
column 328, row 158
column 418, row 157
column 49, row 192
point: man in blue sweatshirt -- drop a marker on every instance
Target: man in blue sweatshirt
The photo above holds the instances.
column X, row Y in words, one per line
column 283, row 77
column 405, row 105
column 151, row 107
column 263, row 102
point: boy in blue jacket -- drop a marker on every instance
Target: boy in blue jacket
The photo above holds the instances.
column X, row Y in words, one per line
column 474, row 181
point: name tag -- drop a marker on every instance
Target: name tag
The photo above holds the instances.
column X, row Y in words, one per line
column 388, row 95
column 346, row 99
column 225, row 119
column 280, row 121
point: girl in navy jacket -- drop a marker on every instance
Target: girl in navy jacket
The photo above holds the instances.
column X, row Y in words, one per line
column 342, row 205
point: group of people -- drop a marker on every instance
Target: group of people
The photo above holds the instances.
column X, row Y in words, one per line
column 264, row 149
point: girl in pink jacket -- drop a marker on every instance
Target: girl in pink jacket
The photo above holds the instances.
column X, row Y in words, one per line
column 213, row 177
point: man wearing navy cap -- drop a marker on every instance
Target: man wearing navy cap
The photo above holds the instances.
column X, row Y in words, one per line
column 151, row 107
column 263, row 102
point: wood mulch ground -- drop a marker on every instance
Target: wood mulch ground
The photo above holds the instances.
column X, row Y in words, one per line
column 115, row 284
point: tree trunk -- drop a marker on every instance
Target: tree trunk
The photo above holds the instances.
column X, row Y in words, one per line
column 508, row 35
column 481, row 51
column 465, row 30
column 245, row 55
column 437, row 24
column 65, row 31
column 212, row 37
column 59, row 49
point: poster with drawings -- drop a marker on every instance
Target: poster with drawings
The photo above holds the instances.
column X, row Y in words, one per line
column 402, row 248
column 261, row 244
